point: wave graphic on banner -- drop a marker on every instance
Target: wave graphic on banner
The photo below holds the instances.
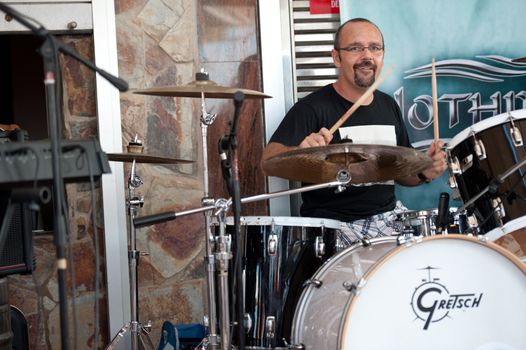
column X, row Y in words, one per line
column 471, row 69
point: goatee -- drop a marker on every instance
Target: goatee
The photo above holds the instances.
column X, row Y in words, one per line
column 364, row 81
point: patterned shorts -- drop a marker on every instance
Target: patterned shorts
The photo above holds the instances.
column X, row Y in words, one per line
column 385, row 224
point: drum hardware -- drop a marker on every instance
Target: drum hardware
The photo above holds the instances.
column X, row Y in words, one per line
column 515, row 133
column 219, row 205
column 149, row 220
column 499, row 211
column 139, row 332
column 222, row 257
column 344, row 176
column 293, row 346
column 270, row 326
column 315, row 283
column 353, row 288
column 364, row 163
column 454, row 165
column 480, row 151
column 320, row 245
column 272, row 244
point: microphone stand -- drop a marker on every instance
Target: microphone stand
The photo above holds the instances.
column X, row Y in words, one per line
column 230, row 170
column 49, row 51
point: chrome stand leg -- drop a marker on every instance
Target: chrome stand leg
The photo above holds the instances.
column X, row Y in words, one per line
column 139, row 334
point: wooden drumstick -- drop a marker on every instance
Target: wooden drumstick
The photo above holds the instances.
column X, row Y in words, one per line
column 359, row 102
column 435, row 103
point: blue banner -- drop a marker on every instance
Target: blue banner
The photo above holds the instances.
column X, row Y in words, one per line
column 476, row 45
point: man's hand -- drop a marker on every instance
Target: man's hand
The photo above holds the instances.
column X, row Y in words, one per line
column 439, row 161
column 321, row 138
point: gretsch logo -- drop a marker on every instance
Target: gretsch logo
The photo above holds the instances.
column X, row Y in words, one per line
column 432, row 301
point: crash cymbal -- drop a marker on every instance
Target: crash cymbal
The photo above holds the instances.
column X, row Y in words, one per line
column 365, row 163
column 144, row 158
column 194, row 89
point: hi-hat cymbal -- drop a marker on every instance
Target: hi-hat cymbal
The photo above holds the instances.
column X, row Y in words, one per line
column 365, row 163
column 196, row 87
column 144, row 158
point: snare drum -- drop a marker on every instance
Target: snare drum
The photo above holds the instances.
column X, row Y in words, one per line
column 481, row 153
column 422, row 222
column 279, row 254
column 419, row 295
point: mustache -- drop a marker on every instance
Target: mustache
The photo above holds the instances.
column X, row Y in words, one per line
column 365, row 64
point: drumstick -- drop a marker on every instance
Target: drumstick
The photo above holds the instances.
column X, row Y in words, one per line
column 435, row 102
column 359, row 102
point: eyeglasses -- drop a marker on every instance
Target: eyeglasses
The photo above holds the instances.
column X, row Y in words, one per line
column 357, row 49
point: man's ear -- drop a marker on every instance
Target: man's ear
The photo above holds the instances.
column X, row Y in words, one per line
column 336, row 58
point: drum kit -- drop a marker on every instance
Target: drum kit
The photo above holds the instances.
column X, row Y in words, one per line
column 287, row 282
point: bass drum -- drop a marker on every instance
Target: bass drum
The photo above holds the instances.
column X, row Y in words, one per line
column 418, row 295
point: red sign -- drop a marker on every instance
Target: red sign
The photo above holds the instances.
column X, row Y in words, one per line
column 324, row 6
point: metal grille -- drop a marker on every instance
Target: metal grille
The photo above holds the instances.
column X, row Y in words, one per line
column 312, row 38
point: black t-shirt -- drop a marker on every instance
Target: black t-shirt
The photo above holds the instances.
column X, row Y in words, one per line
column 378, row 123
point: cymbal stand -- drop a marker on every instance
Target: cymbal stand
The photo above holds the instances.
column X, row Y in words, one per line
column 206, row 120
column 138, row 332
column 223, row 255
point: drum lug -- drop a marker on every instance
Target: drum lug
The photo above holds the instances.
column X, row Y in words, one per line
column 479, row 148
column 500, row 213
column 354, row 288
column 272, row 247
column 467, row 163
column 455, row 166
column 472, row 222
column 293, row 346
column 270, row 326
column 452, row 181
column 516, row 135
column 315, row 283
column 320, row 247
column 247, row 322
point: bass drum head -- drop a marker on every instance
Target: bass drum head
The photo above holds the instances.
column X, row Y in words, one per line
column 445, row 292
column 322, row 303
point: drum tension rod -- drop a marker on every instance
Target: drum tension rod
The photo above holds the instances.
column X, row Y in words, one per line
column 350, row 287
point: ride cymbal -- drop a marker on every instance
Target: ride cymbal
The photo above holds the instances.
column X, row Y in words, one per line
column 144, row 158
column 365, row 163
column 196, row 87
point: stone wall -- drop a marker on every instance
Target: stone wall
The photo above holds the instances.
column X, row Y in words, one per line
column 164, row 43
column 37, row 295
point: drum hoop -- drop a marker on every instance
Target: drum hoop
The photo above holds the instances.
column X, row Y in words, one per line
column 295, row 221
column 484, row 125
column 306, row 294
column 351, row 302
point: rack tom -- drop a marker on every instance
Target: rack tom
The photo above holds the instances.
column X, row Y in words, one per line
column 480, row 155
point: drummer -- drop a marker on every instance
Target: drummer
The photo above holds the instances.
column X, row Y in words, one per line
column 369, row 210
